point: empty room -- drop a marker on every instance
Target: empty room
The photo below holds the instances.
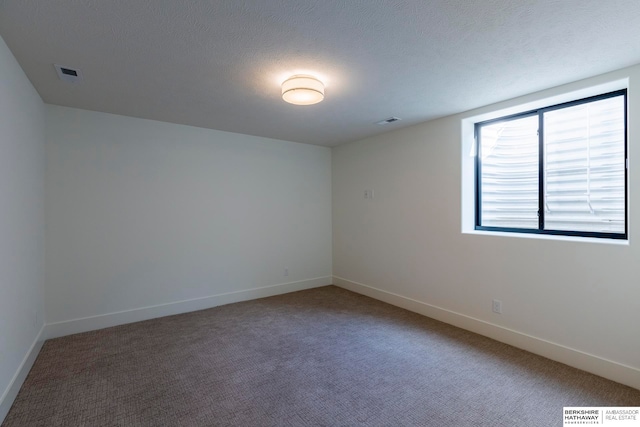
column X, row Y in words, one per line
column 319, row 213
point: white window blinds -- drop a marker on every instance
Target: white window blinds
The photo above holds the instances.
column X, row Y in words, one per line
column 577, row 166
column 585, row 167
column 509, row 161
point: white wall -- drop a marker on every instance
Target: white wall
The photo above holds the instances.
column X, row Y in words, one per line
column 21, row 225
column 143, row 213
column 578, row 302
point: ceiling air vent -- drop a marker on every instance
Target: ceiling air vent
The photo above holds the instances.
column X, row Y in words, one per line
column 389, row 120
column 68, row 74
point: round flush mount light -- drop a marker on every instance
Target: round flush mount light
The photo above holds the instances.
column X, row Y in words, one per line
column 302, row 90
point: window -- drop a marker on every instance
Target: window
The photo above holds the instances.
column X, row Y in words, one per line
column 555, row 170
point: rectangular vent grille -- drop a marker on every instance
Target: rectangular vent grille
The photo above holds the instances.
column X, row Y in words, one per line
column 389, row 120
column 68, row 74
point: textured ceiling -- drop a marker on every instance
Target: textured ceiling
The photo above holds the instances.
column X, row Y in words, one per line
column 218, row 64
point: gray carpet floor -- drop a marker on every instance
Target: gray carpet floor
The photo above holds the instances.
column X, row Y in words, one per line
column 321, row 357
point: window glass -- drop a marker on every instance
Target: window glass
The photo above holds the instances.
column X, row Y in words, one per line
column 585, row 167
column 556, row 170
column 509, row 173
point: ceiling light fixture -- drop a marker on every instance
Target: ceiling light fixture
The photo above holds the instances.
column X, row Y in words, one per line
column 302, row 90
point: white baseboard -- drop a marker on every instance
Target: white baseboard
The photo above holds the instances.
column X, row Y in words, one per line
column 609, row 369
column 16, row 382
column 74, row 326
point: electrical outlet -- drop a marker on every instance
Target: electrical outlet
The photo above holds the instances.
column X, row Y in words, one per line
column 497, row 306
column 286, row 271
